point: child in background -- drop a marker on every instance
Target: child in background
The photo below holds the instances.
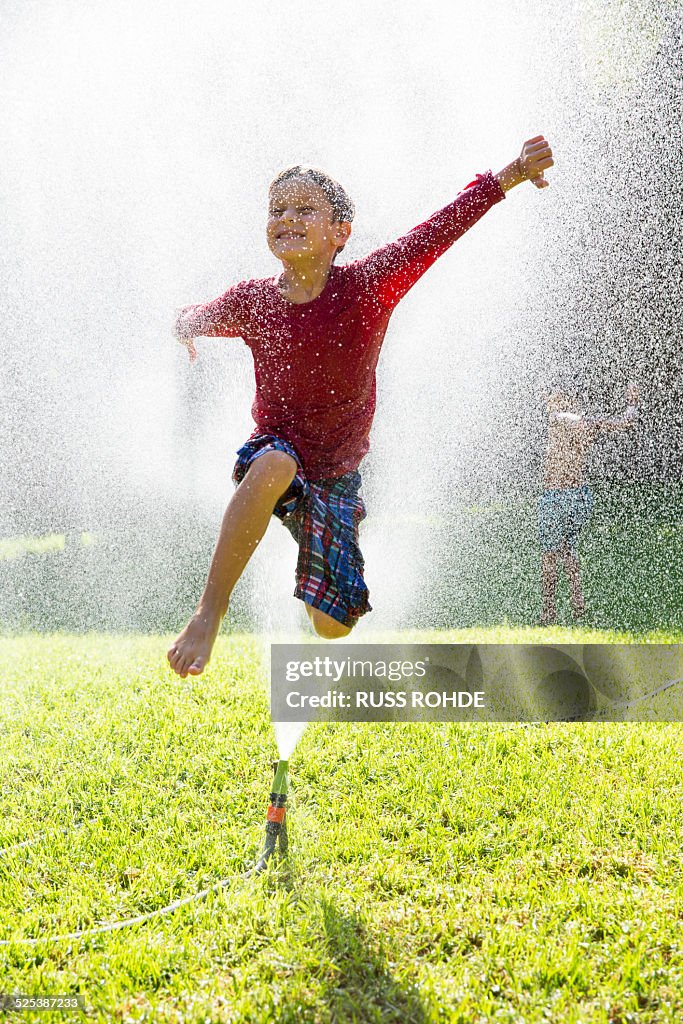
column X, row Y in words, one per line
column 565, row 506
column 315, row 333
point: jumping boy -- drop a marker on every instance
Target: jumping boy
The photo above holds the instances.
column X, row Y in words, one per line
column 315, row 333
column 565, row 506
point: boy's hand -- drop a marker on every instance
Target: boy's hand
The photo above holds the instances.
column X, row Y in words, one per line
column 535, row 158
column 190, row 346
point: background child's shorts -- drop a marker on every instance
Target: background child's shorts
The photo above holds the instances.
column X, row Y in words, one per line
column 323, row 518
column 561, row 516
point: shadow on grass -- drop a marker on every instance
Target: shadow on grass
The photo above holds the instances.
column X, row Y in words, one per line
column 364, row 990
column 361, row 989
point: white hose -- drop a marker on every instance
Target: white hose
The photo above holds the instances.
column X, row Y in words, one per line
column 114, row 926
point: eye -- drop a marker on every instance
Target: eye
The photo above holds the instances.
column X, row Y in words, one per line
column 305, row 209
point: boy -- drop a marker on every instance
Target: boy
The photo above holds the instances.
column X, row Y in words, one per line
column 565, row 506
column 315, row 334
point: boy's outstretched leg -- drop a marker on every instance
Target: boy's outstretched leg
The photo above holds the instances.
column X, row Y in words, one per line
column 244, row 524
column 572, row 567
column 549, row 587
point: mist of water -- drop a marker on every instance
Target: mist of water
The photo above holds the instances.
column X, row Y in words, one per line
column 138, row 153
column 287, row 735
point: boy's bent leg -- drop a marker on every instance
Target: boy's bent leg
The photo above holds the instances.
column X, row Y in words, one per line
column 329, row 572
column 244, row 524
column 550, row 537
column 325, row 626
column 572, row 566
column 549, row 587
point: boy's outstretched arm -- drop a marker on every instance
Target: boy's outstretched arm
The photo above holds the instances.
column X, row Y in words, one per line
column 393, row 269
column 628, row 418
column 535, row 158
column 224, row 317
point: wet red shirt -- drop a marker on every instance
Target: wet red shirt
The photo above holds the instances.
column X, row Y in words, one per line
column 315, row 362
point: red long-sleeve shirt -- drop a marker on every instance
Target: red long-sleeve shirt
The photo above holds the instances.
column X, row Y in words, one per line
column 315, row 362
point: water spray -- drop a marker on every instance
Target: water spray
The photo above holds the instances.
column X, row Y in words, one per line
column 276, row 826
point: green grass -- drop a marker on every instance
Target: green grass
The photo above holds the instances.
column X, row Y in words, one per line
column 480, row 568
column 16, row 547
column 461, row 873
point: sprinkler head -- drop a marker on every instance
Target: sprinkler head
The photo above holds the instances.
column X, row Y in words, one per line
column 276, row 826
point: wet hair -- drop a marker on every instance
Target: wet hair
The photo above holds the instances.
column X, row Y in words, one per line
column 341, row 202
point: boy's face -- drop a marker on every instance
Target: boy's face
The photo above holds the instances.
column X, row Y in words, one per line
column 558, row 401
column 301, row 224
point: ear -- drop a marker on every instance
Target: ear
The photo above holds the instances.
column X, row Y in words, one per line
column 342, row 231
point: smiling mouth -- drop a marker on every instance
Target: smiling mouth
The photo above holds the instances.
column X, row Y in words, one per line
column 289, row 234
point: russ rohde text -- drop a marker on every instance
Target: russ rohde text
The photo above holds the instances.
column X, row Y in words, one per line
column 388, row 699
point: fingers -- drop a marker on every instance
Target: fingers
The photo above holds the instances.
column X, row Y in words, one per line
column 540, row 156
column 537, row 167
column 535, row 170
column 537, row 157
column 536, row 149
column 190, row 346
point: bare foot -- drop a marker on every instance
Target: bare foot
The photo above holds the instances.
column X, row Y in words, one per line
column 190, row 653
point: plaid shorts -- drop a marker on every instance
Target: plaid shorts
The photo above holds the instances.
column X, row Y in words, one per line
column 323, row 518
column 562, row 514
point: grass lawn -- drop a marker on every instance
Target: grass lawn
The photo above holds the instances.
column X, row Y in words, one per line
column 463, row 873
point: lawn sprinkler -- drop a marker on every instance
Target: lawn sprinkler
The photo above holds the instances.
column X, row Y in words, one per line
column 276, row 826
